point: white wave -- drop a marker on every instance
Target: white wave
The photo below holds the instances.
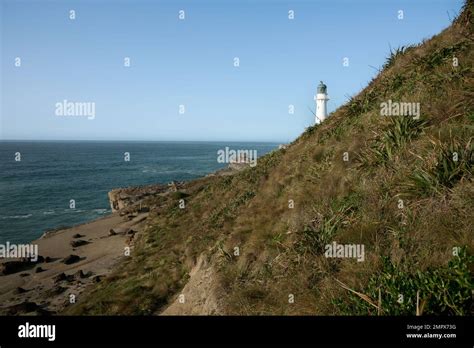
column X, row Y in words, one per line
column 16, row 216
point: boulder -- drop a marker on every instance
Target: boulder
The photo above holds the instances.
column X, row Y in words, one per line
column 78, row 243
column 60, row 277
column 119, row 230
column 11, row 267
column 71, row 259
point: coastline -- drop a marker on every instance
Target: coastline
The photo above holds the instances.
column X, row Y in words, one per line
column 73, row 259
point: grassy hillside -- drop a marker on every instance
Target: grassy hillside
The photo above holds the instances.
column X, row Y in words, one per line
column 406, row 192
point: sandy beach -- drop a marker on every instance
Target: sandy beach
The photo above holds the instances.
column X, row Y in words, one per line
column 70, row 261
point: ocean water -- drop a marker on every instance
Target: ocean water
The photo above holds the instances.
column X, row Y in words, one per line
column 35, row 192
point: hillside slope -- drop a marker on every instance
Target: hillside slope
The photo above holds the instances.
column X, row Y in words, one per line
column 253, row 242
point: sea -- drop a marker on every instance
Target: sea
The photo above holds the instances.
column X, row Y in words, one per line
column 41, row 180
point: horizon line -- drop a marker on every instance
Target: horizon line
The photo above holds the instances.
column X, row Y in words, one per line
column 143, row 140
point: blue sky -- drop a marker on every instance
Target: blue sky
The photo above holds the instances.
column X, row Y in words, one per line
column 191, row 62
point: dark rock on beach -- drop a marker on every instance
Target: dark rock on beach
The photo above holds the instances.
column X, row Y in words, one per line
column 119, row 230
column 71, row 259
column 11, row 267
column 20, row 290
column 78, row 243
column 60, row 277
column 97, row 279
column 22, row 308
column 80, row 275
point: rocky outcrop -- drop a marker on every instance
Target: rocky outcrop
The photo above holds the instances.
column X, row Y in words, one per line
column 132, row 196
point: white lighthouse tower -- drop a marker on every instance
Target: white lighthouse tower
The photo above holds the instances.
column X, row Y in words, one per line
column 321, row 98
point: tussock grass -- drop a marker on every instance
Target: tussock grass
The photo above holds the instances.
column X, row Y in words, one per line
column 408, row 249
column 386, row 144
column 454, row 161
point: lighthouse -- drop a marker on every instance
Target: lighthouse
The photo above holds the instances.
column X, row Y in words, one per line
column 321, row 103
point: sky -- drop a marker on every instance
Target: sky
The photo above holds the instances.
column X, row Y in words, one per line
column 191, row 62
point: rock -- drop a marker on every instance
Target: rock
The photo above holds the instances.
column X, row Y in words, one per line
column 40, row 259
column 47, row 259
column 42, row 312
column 71, row 259
column 56, row 290
column 24, row 274
column 77, row 235
column 19, row 290
column 60, row 277
column 97, row 278
column 119, row 230
column 78, row 243
column 39, row 269
column 123, row 195
column 123, row 198
column 80, row 275
column 24, row 307
column 11, row 267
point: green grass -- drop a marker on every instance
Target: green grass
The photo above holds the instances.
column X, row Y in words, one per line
column 321, row 230
column 442, row 291
column 387, row 144
column 394, row 55
column 454, row 162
